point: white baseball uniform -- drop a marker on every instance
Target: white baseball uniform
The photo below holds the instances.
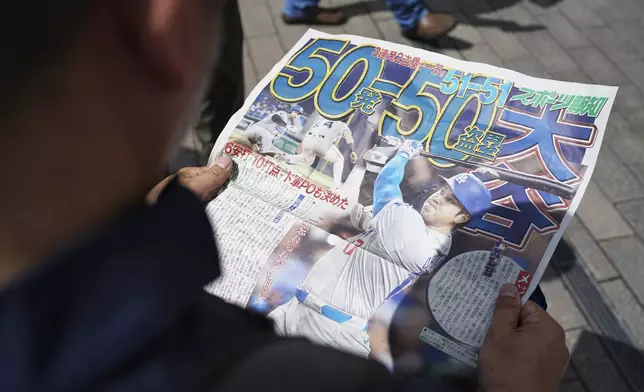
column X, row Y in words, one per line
column 320, row 140
column 264, row 131
column 358, row 277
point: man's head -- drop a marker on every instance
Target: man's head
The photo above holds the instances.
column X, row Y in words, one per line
column 137, row 66
column 95, row 95
column 459, row 199
column 296, row 111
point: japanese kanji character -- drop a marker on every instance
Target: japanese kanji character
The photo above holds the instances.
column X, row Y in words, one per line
column 415, row 62
column 327, row 196
column 392, row 55
column 406, row 60
column 490, row 146
column 578, row 104
column 275, row 171
column 526, row 97
column 366, row 100
column 468, row 140
column 594, row 106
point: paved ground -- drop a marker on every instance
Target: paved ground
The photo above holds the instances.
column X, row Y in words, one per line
column 594, row 41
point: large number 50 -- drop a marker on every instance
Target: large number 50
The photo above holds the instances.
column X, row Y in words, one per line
column 333, row 87
column 310, row 61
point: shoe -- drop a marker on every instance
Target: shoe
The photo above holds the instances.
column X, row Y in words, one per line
column 432, row 26
column 317, row 16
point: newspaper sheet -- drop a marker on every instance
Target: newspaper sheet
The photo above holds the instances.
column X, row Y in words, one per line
column 382, row 194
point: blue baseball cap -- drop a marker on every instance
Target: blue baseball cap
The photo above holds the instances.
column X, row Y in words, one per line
column 471, row 192
column 297, row 108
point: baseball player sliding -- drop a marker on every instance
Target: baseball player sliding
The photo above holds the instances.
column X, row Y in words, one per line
column 320, row 140
column 345, row 287
column 263, row 132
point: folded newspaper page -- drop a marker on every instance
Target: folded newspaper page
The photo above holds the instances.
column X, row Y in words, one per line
column 382, row 194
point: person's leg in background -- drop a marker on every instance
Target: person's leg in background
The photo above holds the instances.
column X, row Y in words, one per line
column 418, row 22
column 308, row 12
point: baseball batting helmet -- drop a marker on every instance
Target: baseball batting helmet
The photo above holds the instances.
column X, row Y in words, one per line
column 470, row 192
column 297, row 108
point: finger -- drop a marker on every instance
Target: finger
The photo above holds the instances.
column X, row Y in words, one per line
column 508, row 307
column 530, row 314
column 154, row 193
column 207, row 183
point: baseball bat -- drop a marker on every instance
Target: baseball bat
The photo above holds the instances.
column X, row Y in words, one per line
column 527, row 180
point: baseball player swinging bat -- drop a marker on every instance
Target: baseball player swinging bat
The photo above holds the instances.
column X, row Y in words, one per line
column 527, row 180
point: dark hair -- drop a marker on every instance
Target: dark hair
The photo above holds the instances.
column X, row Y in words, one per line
column 426, row 192
column 33, row 34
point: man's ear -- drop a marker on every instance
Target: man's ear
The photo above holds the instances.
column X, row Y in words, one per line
column 462, row 218
column 152, row 30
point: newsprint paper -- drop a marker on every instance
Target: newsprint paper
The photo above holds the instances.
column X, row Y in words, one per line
column 382, row 194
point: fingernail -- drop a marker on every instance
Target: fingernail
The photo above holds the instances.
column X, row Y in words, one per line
column 224, row 162
column 509, row 290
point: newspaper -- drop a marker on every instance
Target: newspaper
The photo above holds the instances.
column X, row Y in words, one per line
column 382, row 194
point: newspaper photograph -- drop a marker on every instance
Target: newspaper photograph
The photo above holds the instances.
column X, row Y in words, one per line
column 382, row 194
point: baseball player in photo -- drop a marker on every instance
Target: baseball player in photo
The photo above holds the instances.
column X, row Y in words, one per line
column 346, row 285
column 321, row 140
column 263, row 132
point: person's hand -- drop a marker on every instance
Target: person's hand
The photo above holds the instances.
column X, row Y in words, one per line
column 202, row 181
column 524, row 349
column 411, row 148
column 353, row 157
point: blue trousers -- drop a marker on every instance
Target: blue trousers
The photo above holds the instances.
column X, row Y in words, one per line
column 406, row 12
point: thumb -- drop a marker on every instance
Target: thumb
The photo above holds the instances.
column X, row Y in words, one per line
column 508, row 308
column 211, row 178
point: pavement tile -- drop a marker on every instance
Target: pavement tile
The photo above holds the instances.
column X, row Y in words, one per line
column 465, row 31
column 265, row 52
column 545, row 7
column 571, row 386
column 612, row 45
column 507, row 46
column 599, row 215
column 633, row 212
column 250, row 78
column 597, row 66
column 580, row 240
column 527, row 65
column 545, row 49
column 378, row 9
column 629, row 102
column 275, row 6
column 391, row 31
column 627, row 145
column 614, row 179
column 290, row 34
column 362, row 25
column 256, row 18
column 627, row 307
column 579, row 14
column 638, row 170
column 635, row 71
column 627, row 255
column 482, row 54
column 594, row 367
column 567, row 35
column 631, row 30
column 561, row 306
column 577, row 76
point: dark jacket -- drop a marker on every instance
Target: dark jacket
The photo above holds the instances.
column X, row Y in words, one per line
column 124, row 310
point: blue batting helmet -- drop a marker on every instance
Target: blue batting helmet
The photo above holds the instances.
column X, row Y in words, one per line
column 297, row 108
column 470, row 192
